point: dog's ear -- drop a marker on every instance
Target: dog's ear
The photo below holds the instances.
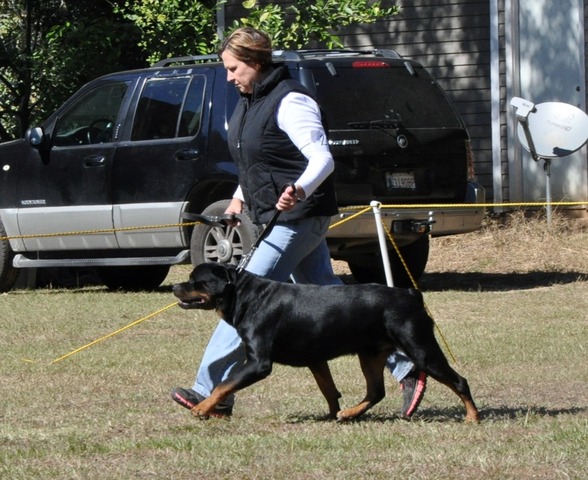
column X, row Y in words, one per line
column 224, row 272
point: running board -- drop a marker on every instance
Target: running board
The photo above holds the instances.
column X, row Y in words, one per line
column 20, row 261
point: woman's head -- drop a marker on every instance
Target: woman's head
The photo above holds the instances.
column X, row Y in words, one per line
column 247, row 56
column 250, row 46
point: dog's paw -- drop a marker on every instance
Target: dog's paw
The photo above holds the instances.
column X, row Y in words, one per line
column 198, row 413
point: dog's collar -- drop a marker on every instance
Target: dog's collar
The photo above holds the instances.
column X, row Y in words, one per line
column 225, row 303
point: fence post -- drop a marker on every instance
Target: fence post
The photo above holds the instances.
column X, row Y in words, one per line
column 382, row 239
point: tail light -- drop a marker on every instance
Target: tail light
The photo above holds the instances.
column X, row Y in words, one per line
column 369, row 64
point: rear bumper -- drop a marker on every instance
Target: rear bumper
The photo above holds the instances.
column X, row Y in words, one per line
column 445, row 219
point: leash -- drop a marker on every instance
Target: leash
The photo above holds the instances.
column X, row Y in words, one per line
column 112, row 334
column 264, row 233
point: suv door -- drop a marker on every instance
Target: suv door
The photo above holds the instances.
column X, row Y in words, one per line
column 70, row 185
column 162, row 156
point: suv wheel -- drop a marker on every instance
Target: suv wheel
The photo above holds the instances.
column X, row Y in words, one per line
column 134, row 278
column 370, row 270
column 223, row 245
column 8, row 274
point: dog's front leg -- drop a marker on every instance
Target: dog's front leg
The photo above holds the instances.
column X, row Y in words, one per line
column 205, row 408
column 254, row 369
column 373, row 371
column 326, row 384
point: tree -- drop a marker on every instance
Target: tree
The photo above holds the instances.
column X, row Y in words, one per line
column 48, row 48
column 172, row 28
column 305, row 22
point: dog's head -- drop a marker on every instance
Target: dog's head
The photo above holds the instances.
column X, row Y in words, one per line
column 207, row 287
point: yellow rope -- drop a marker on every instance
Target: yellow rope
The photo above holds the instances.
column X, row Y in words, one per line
column 362, row 209
column 473, row 205
column 136, row 322
column 341, row 222
column 105, row 230
column 415, row 285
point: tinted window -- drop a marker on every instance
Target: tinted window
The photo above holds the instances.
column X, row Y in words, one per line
column 169, row 108
column 366, row 94
column 92, row 117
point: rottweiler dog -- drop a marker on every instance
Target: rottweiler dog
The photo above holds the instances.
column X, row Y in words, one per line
column 307, row 325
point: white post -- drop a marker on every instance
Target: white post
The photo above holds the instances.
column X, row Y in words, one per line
column 382, row 238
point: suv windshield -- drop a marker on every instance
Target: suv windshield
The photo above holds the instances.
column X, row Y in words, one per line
column 380, row 94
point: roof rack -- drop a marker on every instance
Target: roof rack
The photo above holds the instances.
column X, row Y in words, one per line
column 284, row 55
column 302, row 54
column 166, row 62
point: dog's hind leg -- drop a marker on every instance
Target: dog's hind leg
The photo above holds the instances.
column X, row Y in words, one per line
column 426, row 354
column 373, row 371
column 447, row 376
column 326, row 384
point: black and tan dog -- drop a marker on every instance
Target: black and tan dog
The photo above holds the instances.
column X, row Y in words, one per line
column 307, row 325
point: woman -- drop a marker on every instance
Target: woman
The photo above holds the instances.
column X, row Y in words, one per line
column 277, row 139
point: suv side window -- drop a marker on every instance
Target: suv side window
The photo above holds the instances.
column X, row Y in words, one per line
column 92, row 118
column 169, row 108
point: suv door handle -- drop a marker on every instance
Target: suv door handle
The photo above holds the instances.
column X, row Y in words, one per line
column 188, row 154
column 95, row 161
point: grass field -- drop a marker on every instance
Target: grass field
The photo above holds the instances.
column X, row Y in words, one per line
column 511, row 301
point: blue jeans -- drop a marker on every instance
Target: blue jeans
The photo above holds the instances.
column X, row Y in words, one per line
column 296, row 249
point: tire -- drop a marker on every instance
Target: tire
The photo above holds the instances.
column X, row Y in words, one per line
column 223, row 245
column 134, row 278
column 8, row 274
column 371, row 270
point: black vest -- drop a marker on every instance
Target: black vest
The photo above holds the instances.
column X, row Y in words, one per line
column 267, row 159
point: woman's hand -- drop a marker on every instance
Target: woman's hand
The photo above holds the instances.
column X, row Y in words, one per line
column 289, row 197
column 234, row 208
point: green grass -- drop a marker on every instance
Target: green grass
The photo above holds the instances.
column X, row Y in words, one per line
column 105, row 412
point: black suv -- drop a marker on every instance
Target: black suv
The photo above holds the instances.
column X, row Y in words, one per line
column 108, row 179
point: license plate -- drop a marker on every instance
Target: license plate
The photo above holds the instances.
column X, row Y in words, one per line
column 400, row 180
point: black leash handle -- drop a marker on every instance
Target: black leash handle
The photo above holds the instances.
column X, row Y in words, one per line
column 210, row 220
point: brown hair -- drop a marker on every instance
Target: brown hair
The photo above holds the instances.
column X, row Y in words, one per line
column 249, row 45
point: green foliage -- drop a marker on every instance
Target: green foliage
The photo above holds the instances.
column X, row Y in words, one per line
column 49, row 48
column 94, row 46
column 306, row 22
column 172, row 27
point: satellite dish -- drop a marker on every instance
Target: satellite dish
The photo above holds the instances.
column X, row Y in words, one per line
column 558, row 129
column 550, row 130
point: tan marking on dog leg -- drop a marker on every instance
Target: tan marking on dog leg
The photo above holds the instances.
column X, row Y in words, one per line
column 326, row 384
column 472, row 414
column 373, row 371
column 206, row 407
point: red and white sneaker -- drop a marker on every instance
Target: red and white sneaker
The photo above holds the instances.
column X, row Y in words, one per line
column 413, row 388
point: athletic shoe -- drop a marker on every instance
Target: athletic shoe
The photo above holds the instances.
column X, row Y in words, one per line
column 188, row 398
column 413, row 388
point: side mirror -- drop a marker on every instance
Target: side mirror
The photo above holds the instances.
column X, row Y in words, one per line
column 35, row 136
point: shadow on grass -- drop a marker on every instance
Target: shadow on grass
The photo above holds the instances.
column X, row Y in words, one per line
column 502, row 412
column 450, row 415
column 497, row 282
